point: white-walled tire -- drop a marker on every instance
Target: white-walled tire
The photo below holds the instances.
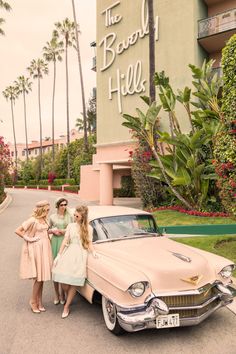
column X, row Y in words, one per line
column 110, row 317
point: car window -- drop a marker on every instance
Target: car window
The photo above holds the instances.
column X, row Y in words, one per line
column 123, row 226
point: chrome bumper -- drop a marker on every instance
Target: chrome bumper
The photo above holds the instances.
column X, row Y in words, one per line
column 144, row 317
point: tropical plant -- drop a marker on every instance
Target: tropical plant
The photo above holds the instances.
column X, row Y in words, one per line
column 38, row 68
column 225, row 142
column 52, row 53
column 24, row 86
column 185, row 165
column 65, row 32
column 81, row 77
column 10, row 93
column 3, row 5
column 91, row 118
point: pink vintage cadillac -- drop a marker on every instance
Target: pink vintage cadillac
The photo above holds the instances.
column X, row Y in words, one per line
column 145, row 280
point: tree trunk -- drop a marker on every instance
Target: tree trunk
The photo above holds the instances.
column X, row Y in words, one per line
column 40, row 132
column 152, row 92
column 26, row 134
column 14, row 137
column 53, row 105
column 67, row 113
column 81, row 80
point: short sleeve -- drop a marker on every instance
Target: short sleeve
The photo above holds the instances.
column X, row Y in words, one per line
column 28, row 223
column 90, row 231
column 67, row 233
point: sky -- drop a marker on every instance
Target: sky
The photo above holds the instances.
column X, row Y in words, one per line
column 27, row 29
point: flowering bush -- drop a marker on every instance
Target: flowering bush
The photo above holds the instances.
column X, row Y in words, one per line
column 51, row 177
column 192, row 212
column 5, row 162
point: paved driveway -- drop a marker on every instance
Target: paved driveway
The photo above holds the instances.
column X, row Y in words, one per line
column 22, row 332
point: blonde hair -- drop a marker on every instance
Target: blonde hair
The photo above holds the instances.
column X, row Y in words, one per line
column 83, row 211
column 40, row 212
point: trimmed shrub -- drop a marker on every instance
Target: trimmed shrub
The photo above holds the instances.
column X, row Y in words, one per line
column 225, row 142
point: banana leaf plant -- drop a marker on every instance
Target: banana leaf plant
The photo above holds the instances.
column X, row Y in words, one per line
column 186, row 164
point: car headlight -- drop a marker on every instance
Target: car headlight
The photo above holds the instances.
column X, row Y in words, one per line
column 138, row 289
column 226, row 272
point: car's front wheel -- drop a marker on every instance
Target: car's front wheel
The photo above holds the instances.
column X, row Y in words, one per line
column 110, row 317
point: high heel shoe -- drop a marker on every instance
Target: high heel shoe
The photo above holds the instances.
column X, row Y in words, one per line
column 34, row 308
column 42, row 309
column 56, row 302
column 65, row 314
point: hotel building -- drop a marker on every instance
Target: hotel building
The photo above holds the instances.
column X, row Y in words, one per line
column 186, row 31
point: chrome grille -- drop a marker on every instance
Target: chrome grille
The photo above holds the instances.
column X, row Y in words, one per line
column 188, row 300
column 196, row 312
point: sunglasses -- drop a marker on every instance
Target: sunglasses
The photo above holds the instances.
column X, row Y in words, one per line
column 63, row 204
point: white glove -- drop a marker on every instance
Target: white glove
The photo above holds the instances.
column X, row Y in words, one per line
column 56, row 260
column 31, row 239
column 95, row 255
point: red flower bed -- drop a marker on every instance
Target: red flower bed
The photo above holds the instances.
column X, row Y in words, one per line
column 192, row 212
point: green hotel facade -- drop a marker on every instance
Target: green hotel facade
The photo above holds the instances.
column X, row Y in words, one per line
column 186, row 31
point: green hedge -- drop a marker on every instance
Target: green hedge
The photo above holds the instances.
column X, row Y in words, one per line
column 61, row 181
column 73, row 189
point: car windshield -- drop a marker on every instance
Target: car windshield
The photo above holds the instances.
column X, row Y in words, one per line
column 114, row 227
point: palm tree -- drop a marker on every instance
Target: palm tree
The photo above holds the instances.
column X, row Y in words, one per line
column 81, row 78
column 66, row 32
column 37, row 68
column 10, row 93
column 24, row 86
column 52, row 53
column 151, row 51
column 3, row 5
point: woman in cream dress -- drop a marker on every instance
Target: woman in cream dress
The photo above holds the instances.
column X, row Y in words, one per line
column 69, row 267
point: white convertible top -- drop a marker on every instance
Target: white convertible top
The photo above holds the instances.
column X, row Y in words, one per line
column 101, row 211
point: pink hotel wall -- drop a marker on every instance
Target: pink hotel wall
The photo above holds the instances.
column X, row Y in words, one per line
column 115, row 157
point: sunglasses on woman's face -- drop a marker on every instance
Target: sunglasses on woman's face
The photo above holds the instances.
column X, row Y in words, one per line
column 63, row 204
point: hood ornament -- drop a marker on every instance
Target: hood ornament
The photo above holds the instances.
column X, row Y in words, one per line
column 182, row 257
column 193, row 280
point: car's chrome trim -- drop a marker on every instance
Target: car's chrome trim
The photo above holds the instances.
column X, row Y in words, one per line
column 134, row 327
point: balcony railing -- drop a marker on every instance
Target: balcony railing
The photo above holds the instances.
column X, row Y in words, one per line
column 222, row 22
column 94, row 64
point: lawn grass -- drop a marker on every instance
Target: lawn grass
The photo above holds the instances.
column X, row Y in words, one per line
column 172, row 218
column 223, row 245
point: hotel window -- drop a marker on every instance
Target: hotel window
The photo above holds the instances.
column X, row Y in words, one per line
column 23, row 152
column 35, row 151
column 12, row 153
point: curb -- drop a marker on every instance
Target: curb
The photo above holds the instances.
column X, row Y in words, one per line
column 5, row 203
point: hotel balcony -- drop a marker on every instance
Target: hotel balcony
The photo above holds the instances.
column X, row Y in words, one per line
column 213, row 32
column 94, row 64
column 212, row 2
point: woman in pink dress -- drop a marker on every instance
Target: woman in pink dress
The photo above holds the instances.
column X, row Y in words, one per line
column 36, row 255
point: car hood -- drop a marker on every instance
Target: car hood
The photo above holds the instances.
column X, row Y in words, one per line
column 167, row 265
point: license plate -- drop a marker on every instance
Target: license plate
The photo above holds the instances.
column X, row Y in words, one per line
column 167, row 321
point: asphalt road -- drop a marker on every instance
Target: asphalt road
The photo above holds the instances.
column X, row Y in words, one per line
column 22, row 332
